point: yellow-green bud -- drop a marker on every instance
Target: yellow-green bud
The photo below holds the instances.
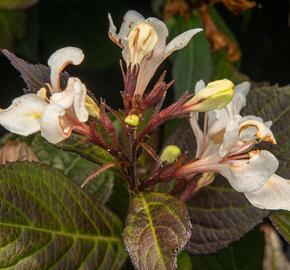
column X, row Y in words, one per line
column 170, row 153
column 132, row 120
column 141, row 41
column 92, row 107
column 215, row 95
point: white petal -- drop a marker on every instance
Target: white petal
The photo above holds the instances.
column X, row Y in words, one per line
column 129, row 20
column 113, row 31
column 51, row 128
column 65, row 98
column 239, row 100
column 181, row 41
column 231, row 136
column 250, row 175
column 59, row 60
column 23, row 116
column 149, row 65
column 199, row 136
column 199, row 85
column 274, row 195
column 256, row 129
column 73, row 96
column 80, row 101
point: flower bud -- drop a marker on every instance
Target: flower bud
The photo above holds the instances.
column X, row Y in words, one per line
column 170, row 154
column 92, row 107
column 141, row 41
column 215, row 95
column 132, row 120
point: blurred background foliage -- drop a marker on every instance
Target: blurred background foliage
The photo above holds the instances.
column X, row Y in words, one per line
column 253, row 39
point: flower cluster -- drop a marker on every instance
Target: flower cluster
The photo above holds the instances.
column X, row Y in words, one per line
column 225, row 145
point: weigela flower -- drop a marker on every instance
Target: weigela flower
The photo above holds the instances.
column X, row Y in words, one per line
column 143, row 42
column 54, row 114
column 226, row 146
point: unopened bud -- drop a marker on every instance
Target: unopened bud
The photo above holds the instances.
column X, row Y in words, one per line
column 132, row 120
column 215, row 95
column 141, row 41
column 92, row 107
column 170, row 153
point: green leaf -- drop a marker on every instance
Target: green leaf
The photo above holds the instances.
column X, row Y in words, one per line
column 76, row 143
column 183, row 261
column 281, row 221
column 16, row 4
column 12, row 27
column 219, row 216
column 247, row 254
column 48, row 222
column 74, row 166
column 157, row 228
column 194, row 62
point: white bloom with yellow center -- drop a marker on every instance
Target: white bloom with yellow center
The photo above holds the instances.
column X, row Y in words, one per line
column 143, row 42
column 56, row 114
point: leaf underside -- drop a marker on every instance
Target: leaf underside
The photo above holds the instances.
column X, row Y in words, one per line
column 47, row 222
column 157, row 228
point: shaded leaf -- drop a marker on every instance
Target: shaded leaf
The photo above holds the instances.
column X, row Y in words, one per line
column 12, row 27
column 119, row 198
column 157, row 228
column 75, row 143
column 74, row 166
column 34, row 75
column 194, row 62
column 16, row 4
column 246, row 254
column 48, row 222
column 219, row 216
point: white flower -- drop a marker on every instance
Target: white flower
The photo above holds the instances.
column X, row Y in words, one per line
column 143, row 42
column 55, row 114
column 225, row 146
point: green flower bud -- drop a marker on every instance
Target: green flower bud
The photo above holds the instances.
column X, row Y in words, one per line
column 132, row 120
column 215, row 95
column 170, row 153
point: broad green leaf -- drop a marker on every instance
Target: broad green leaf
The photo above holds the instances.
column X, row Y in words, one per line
column 193, row 62
column 12, row 27
column 74, row 166
column 219, row 216
column 157, row 228
column 246, row 254
column 76, row 143
column 48, row 222
column 16, row 4
column 281, row 221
